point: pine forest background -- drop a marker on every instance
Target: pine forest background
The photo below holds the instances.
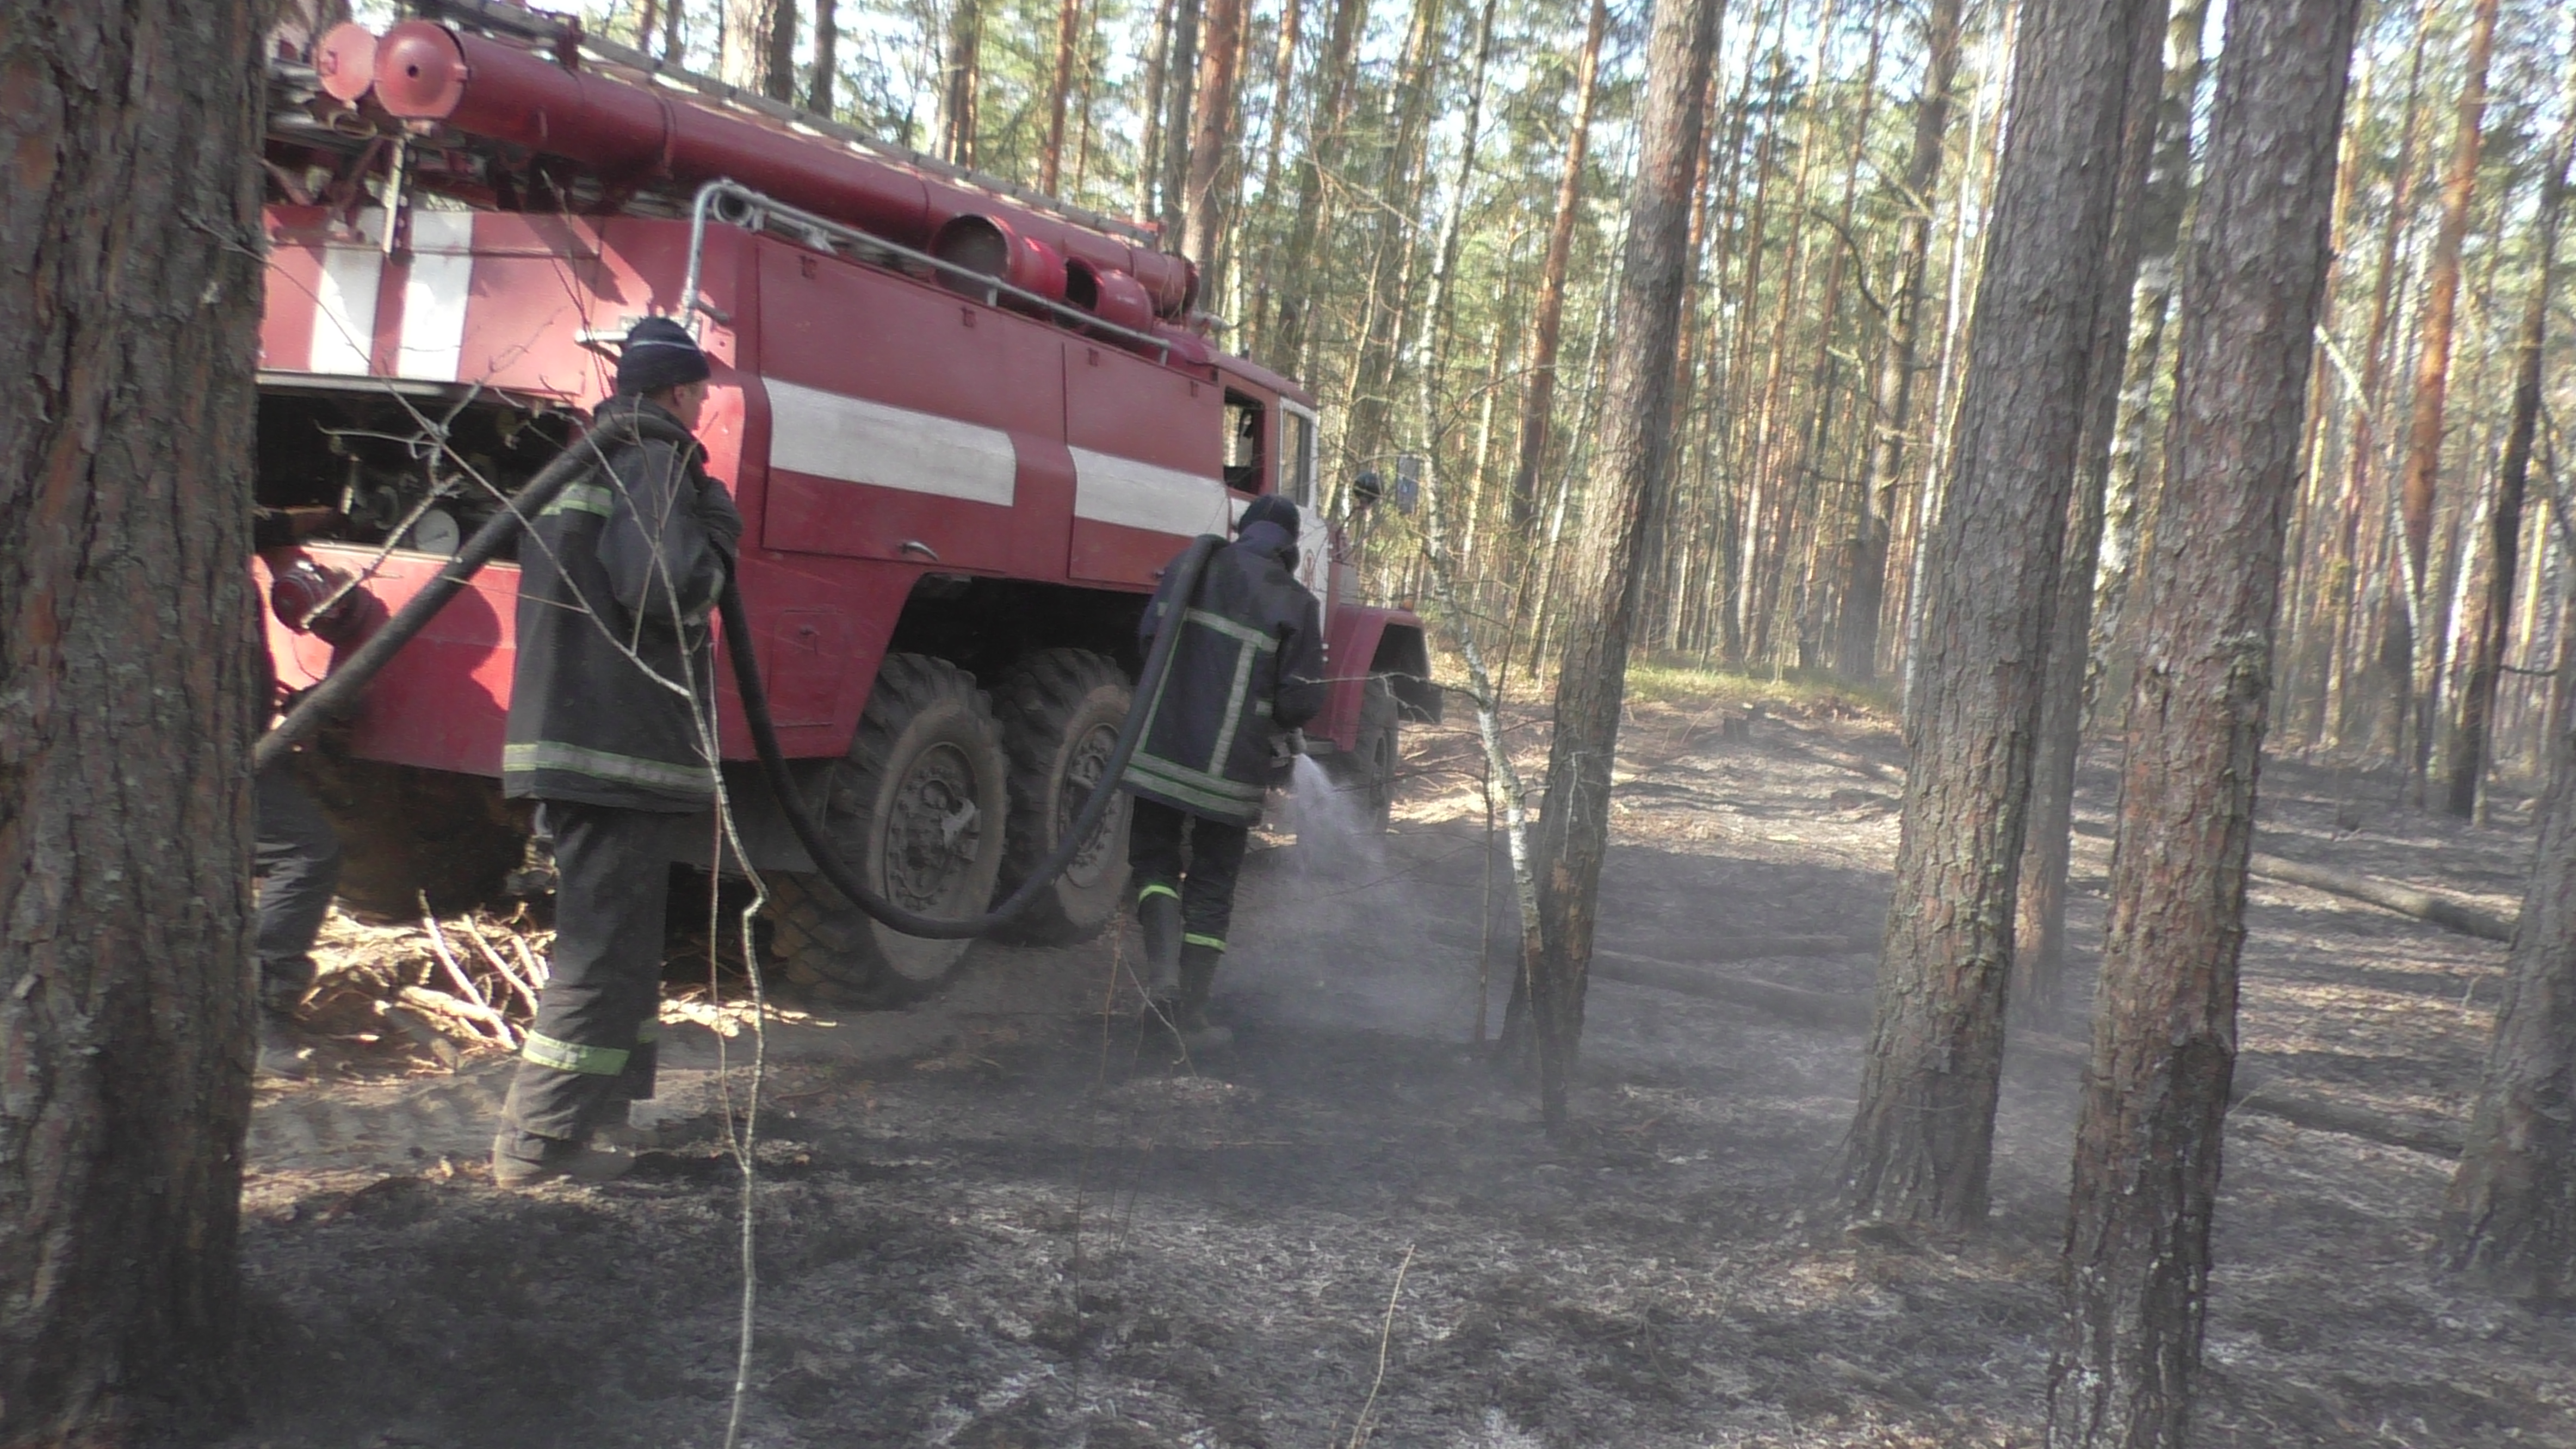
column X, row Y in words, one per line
column 1414, row 206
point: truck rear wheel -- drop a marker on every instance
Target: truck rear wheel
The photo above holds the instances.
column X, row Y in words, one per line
column 918, row 808
column 1061, row 709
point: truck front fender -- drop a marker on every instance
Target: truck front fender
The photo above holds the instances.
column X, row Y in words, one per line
column 1365, row 643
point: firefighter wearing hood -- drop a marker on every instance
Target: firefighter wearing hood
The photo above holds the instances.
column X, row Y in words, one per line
column 1248, row 666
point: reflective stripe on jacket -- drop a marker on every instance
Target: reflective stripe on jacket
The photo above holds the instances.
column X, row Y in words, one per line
column 1249, row 662
column 616, row 579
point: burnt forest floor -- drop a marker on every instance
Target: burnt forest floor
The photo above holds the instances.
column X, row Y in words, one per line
column 996, row 1220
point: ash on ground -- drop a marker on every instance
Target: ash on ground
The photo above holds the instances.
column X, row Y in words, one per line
column 1004, row 1218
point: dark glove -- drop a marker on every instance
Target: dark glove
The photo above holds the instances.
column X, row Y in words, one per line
column 716, row 514
column 1285, row 747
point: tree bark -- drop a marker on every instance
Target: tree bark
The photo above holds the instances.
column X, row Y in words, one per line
column 827, row 58
column 1547, row 318
column 1323, row 154
column 1149, row 153
column 2491, row 619
column 1283, row 77
column 2149, row 361
column 2361, row 455
column 1629, row 471
column 1212, row 144
column 960, row 82
column 2148, row 1138
column 2039, row 956
column 2510, row 1219
column 1180, row 103
column 778, row 52
column 1068, row 44
column 1865, row 592
column 1386, row 306
column 1922, row 1142
column 129, row 318
column 2421, row 646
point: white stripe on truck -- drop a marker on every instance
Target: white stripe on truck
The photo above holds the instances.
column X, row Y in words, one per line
column 434, row 295
column 852, row 440
column 1111, row 489
column 344, row 304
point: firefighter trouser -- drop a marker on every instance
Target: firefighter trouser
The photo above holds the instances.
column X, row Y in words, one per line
column 299, row 866
column 1173, row 852
column 592, row 1047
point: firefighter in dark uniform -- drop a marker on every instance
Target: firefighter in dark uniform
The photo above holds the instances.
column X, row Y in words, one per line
column 298, row 853
column 1248, row 666
column 611, row 727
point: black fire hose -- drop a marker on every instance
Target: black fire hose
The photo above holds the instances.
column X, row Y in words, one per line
column 352, row 675
column 827, row 859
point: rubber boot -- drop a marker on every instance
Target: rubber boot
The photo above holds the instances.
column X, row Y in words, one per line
column 1198, row 978
column 1160, row 916
column 281, row 1057
column 523, row 1159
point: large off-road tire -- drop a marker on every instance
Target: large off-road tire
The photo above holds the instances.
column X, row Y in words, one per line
column 405, row 832
column 1061, row 709
column 919, row 808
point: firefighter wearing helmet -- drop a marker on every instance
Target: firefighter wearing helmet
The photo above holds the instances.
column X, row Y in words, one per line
column 611, row 731
column 1247, row 668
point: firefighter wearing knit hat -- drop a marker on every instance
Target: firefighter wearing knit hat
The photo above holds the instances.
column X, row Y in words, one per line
column 615, row 594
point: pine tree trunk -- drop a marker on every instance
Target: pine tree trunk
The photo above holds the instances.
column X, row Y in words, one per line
column 962, row 82
column 1321, row 161
column 1180, row 104
column 128, row 702
column 1068, row 49
column 2134, row 453
column 2039, row 953
column 1213, row 138
column 1149, row 166
column 1547, row 318
column 1922, row 1142
column 2510, row 1219
column 2421, row 647
column 1386, row 308
column 2491, row 619
column 674, row 20
column 819, row 97
column 778, row 52
column 1629, row 471
column 2148, row 1138
column 1865, row 586
column 2361, row 454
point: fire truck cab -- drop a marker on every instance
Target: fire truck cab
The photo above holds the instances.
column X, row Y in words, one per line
column 966, row 431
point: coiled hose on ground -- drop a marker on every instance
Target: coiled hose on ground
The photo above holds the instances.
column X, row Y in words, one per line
column 347, row 681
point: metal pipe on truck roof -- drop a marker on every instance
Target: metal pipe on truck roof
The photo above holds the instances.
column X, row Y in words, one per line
column 425, row 71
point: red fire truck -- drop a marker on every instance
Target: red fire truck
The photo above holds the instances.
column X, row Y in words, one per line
column 966, row 427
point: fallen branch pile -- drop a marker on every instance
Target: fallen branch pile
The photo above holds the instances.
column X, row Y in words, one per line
column 466, row 983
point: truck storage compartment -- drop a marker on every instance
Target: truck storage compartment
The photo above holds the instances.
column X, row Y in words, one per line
column 372, row 449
